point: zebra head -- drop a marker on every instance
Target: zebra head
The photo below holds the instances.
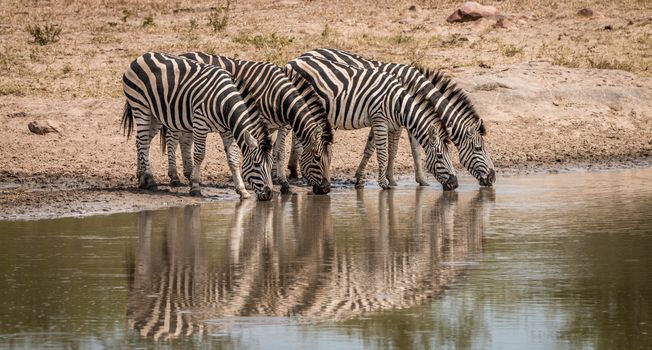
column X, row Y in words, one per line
column 438, row 157
column 475, row 157
column 316, row 160
column 257, row 165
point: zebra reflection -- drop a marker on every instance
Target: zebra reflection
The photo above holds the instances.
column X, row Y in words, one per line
column 295, row 257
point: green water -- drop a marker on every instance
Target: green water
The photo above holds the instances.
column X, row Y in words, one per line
column 540, row 262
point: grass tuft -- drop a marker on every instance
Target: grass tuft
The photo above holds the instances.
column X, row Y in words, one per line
column 45, row 34
column 218, row 19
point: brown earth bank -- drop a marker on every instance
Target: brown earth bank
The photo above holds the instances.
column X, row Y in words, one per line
column 558, row 91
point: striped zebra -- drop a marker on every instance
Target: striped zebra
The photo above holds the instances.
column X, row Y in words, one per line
column 354, row 98
column 281, row 106
column 184, row 95
column 465, row 127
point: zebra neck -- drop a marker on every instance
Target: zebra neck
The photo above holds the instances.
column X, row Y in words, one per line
column 416, row 119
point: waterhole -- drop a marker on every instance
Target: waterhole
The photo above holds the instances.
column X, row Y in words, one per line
column 539, row 262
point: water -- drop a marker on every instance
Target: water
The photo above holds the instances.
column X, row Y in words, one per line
column 540, row 262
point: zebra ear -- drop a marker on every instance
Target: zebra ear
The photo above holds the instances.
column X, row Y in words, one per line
column 482, row 130
column 250, row 140
column 272, row 137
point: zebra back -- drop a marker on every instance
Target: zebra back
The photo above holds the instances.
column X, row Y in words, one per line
column 266, row 85
column 436, row 86
column 185, row 95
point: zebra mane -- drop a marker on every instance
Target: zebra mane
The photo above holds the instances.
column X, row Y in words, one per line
column 266, row 145
column 421, row 96
column 327, row 131
column 448, row 85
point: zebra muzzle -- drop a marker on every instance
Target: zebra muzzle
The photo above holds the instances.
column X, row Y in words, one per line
column 488, row 180
column 323, row 188
column 451, row 183
column 265, row 194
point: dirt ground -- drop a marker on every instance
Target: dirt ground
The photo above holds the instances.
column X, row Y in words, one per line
column 558, row 91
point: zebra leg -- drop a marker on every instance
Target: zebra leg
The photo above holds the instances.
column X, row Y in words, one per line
column 199, row 138
column 279, row 158
column 380, row 136
column 416, row 155
column 146, row 128
column 233, row 158
column 295, row 154
column 394, row 137
column 171, row 140
column 185, row 141
column 369, row 150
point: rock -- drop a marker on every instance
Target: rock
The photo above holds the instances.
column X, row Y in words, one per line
column 471, row 11
column 412, row 8
column 43, row 127
column 585, row 12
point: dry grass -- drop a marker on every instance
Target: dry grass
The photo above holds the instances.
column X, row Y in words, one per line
column 99, row 38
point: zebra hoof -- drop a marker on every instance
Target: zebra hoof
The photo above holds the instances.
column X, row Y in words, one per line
column 147, row 182
column 195, row 193
column 423, row 183
column 244, row 194
column 175, row 182
column 285, row 188
column 393, row 183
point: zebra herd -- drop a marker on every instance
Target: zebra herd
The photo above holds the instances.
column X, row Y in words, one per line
column 254, row 105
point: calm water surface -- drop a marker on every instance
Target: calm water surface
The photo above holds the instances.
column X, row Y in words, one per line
column 540, row 262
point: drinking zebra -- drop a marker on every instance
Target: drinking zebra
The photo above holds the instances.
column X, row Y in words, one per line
column 354, row 98
column 465, row 127
column 281, row 106
column 184, row 95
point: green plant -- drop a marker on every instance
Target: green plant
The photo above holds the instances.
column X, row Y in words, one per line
column 126, row 14
column 148, row 22
column 261, row 41
column 401, row 38
column 327, row 31
column 511, row 50
column 455, row 40
column 193, row 24
column 218, row 19
column 46, row 34
column 605, row 63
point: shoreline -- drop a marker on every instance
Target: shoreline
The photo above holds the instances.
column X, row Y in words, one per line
column 26, row 199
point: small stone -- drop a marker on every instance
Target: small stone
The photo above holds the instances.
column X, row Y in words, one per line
column 43, row 127
column 585, row 12
column 471, row 11
column 412, row 8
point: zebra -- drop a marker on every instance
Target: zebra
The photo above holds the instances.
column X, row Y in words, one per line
column 185, row 95
column 354, row 98
column 266, row 85
column 465, row 127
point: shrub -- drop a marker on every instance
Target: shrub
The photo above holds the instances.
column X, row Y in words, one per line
column 219, row 17
column 46, row 34
column 148, row 21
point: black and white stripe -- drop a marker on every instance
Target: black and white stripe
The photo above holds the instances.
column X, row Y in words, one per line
column 355, row 98
column 266, row 86
column 184, row 95
column 465, row 127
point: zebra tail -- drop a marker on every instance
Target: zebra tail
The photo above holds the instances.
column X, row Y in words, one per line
column 127, row 120
column 164, row 138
